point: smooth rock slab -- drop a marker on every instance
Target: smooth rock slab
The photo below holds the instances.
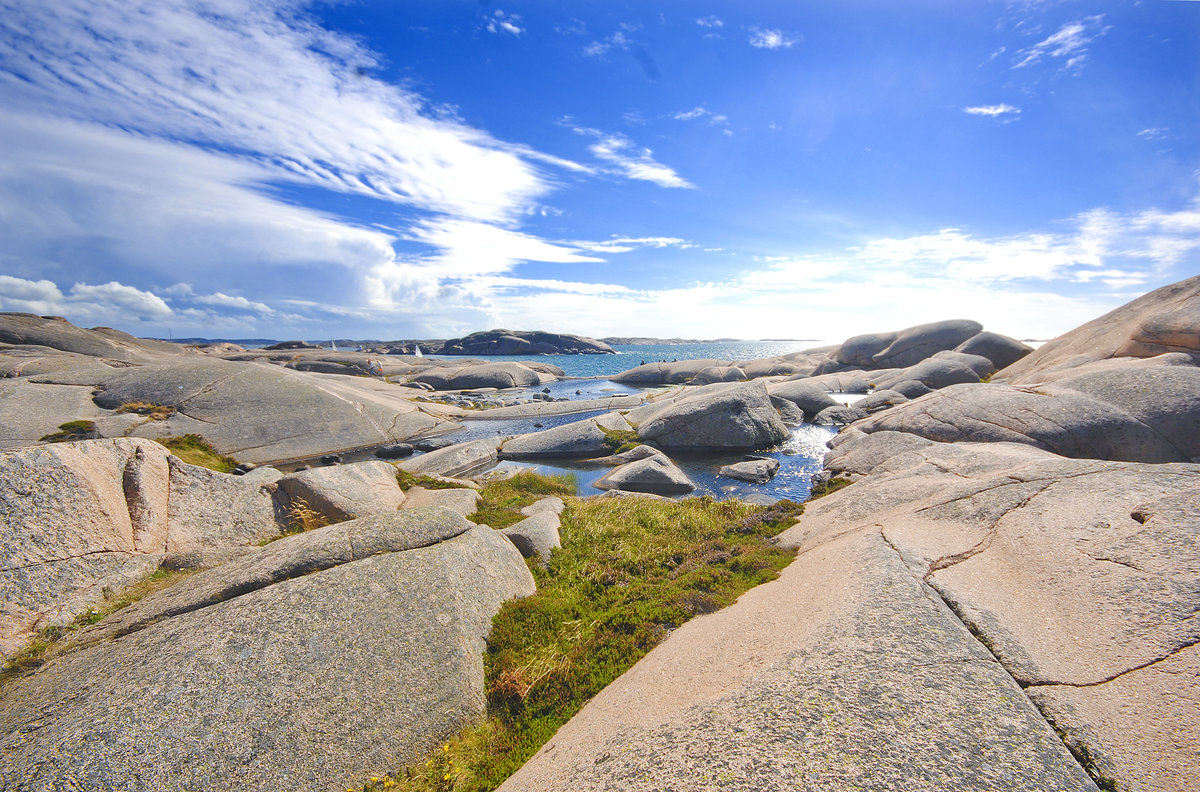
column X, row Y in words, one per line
column 844, row 674
column 755, row 471
column 536, row 535
column 343, row 492
column 655, row 474
column 313, row 683
column 460, row 500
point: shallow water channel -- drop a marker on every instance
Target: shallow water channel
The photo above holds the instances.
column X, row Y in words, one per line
column 800, row 456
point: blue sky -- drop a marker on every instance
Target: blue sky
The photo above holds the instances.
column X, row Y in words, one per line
column 277, row 168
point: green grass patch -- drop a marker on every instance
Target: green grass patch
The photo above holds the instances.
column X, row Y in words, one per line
column 73, row 430
column 501, row 501
column 195, row 450
column 833, row 485
column 46, row 645
column 408, row 480
column 630, row 570
column 620, row 440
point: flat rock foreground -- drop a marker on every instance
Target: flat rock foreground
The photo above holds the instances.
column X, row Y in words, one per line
column 1003, row 597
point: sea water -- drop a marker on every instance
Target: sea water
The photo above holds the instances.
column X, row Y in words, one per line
column 632, row 355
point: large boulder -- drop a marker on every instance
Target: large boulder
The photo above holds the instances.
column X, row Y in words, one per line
column 484, row 375
column 282, row 685
column 343, row 492
column 81, row 520
column 755, row 471
column 537, row 535
column 454, row 460
column 810, row 397
column 1163, row 321
column 1001, row 350
column 259, row 413
column 655, row 474
column 935, row 373
column 99, row 342
column 906, row 347
column 737, row 415
column 1134, row 413
column 708, row 376
column 579, row 439
column 673, row 373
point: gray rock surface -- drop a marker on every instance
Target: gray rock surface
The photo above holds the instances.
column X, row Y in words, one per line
column 880, row 400
column 312, row 697
column 839, row 415
column 668, row 373
column 810, row 397
column 78, row 520
column 655, row 474
column 1001, row 350
column 713, row 374
column 343, row 492
column 755, row 471
column 1079, row 575
column 789, row 413
column 538, row 409
column 934, row 373
column 1163, row 321
column 914, row 344
column 460, row 500
column 484, row 375
column 911, row 389
column 536, row 535
column 1129, row 413
column 579, row 439
column 99, row 342
column 454, row 460
column 737, row 415
column 844, row 674
column 258, row 413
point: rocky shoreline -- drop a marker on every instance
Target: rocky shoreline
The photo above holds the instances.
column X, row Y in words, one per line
column 1003, row 596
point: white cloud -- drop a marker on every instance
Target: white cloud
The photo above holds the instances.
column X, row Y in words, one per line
column 260, row 79
column 231, row 301
column 84, row 302
column 627, row 244
column 501, row 22
column 1069, row 44
column 1155, row 133
column 688, row 115
column 617, row 40
column 710, row 22
column 636, row 162
column 993, row 111
column 766, row 38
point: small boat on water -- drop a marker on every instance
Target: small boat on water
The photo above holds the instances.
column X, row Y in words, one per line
column 418, row 352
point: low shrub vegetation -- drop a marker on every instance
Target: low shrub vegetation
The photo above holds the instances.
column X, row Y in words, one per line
column 824, row 488
column 155, row 412
column 408, row 480
column 195, row 450
column 629, row 572
column 73, row 430
column 501, row 501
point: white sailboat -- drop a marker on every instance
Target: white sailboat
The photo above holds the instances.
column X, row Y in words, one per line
column 418, row 352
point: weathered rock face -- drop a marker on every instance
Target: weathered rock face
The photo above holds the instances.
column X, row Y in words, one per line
column 524, row 342
column 460, row 500
column 260, row 413
column 536, row 535
column 101, row 342
column 655, row 474
column 1079, row 574
column 453, row 460
column 737, row 415
column 1130, row 413
column 810, row 397
column 579, row 439
column 79, row 518
column 343, row 492
column 1001, row 350
column 755, row 471
column 668, row 373
column 718, row 374
column 907, row 347
column 1165, row 320
column 484, row 375
column 282, row 685
column 933, row 373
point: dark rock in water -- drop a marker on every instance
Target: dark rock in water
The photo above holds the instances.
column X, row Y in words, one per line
column 755, row 471
column 523, row 342
column 880, row 400
column 331, row 459
column 545, row 390
column 655, row 474
column 433, row 443
column 789, row 413
column 394, row 451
